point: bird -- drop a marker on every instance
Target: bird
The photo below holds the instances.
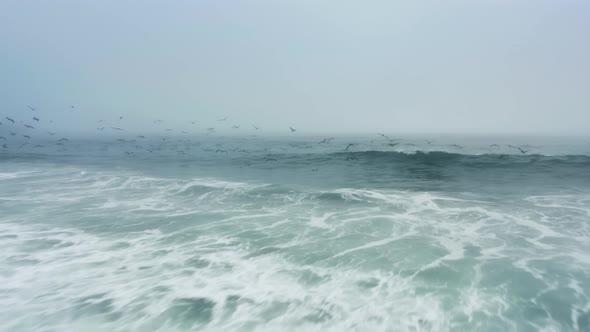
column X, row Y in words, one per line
column 27, row 136
column 192, row 122
column 10, row 119
column 72, row 106
column 392, row 144
column 521, row 150
column 385, row 136
column 429, row 142
column 31, row 108
column 236, row 127
column 12, row 133
column 64, row 140
column 256, row 128
column 457, row 146
column 0, row 123
column 292, row 129
column 348, row 146
column 141, row 136
column 117, row 128
column 121, row 118
column 2, row 137
column 494, row 145
column 36, row 118
column 100, row 128
column 326, row 140
column 4, row 146
column 224, row 119
column 120, row 139
column 29, row 126
column 50, row 133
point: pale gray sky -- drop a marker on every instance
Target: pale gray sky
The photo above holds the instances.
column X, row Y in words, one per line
column 321, row 66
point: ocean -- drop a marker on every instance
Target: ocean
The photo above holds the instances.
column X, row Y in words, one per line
column 257, row 233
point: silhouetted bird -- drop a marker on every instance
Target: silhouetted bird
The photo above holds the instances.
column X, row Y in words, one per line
column 10, row 119
column 117, row 128
column 31, row 108
column 224, row 119
column 2, row 137
column 29, row 126
column 429, row 142
column 64, row 140
column 348, row 146
column 27, row 136
column 256, row 128
column 292, row 129
column 50, row 133
column 36, row 118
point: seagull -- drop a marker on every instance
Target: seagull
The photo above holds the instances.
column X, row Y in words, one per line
column 116, row 128
column 348, row 146
column 121, row 139
column 2, row 137
column 392, row 144
column 521, row 150
column 5, row 146
column 385, row 136
column 101, row 128
column 27, row 136
column 10, row 119
column 224, row 119
column 236, row 127
column 64, row 140
column 31, row 108
column 12, row 133
column 50, row 133
column 255, row 127
column 457, row 146
column 36, row 118
column 192, row 122
column 29, row 126
column 158, row 121
column 326, row 140
column 429, row 142
column 141, row 136
column 292, row 129
column 494, row 145
column 71, row 106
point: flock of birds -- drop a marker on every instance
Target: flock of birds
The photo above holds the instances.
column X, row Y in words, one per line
column 20, row 133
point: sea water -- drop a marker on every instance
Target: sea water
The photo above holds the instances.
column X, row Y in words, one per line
column 286, row 234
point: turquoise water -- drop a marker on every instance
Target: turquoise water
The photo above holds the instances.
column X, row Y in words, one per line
column 285, row 234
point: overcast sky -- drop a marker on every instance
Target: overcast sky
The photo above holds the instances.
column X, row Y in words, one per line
column 503, row 66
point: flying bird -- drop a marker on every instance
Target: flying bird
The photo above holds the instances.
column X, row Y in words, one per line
column 101, row 128
column 64, row 140
column 429, row 142
column 50, row 133
column 31, row 108
column 117, row 128
column 326, row 140
column 256, row 128
column 121, row 118
column 10, row 119
column 36, row 118
column 12, row 133
column 392, row 144
column 224, row 119
column 2, row 137
column 348, row 146
column 29, row 126
column 236, row 127
column 385, row 136
column 27, row 136
column 292, row 129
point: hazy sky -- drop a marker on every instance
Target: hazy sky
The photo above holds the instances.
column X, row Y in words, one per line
column 503, row 66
